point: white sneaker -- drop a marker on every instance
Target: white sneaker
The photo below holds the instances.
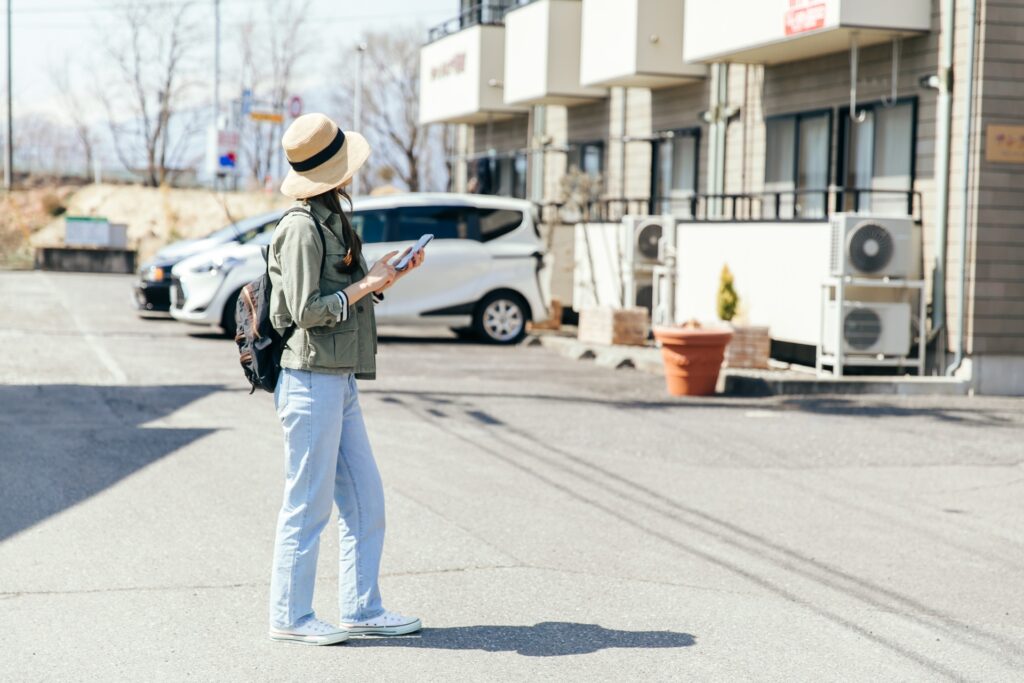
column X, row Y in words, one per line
column 387, row 624
column 311, row 632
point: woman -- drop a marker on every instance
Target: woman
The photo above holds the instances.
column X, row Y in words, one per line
column 327, row 452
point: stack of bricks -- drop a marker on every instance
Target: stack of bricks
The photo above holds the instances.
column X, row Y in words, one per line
column 750, row 347
column 605, row 325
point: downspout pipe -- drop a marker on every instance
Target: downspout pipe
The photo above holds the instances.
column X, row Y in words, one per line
column 965, row 188
column 712, row 171
column 944, row 121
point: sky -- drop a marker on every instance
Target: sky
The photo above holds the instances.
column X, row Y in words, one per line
column 49, row 32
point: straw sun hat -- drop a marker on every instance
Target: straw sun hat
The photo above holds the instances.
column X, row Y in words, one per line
column 321, row 155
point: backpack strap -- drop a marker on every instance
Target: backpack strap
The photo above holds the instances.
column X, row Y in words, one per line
column 319, row 232
column 323, row 256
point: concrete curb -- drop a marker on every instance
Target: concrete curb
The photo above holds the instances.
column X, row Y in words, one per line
column 752, row 383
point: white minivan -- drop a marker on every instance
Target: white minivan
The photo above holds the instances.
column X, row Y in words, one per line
column 482, row 274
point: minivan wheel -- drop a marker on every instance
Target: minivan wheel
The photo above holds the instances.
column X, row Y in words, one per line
column 227, row 318
column 501, row 318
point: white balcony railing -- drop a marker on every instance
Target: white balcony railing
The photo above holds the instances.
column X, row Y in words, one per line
column 634, row 43
column 776, row 31
column 461, row 72
column 542, row 54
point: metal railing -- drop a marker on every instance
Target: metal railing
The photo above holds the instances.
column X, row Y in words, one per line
column 481, row 14
column 769, row 206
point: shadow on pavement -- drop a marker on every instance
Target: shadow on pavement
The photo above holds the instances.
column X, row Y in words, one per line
column 64, row 443
column 966, row 413
column 547, row 639
column 881, row 406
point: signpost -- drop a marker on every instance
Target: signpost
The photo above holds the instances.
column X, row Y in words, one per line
column 227, row 151
column 269, row 116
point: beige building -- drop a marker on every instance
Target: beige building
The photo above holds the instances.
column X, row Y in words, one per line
column 754, row 121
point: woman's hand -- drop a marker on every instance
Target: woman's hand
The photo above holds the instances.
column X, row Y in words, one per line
column 382, row 274
column 415, row 263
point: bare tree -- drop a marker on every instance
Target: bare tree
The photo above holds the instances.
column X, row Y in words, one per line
column 151, row 87
column 408, row 150
column 272, row 49
column 44, row 148
column 76, row 111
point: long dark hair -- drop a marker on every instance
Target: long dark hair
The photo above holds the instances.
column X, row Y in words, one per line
column 332, row 200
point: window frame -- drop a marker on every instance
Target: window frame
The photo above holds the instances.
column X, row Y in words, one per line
column 829, row 113
column 576, row 153
column 494, row 160
column 686, row 131
column 843, row 144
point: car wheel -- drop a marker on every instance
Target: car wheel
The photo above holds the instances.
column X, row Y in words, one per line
column 227, row 318
column 501, row 318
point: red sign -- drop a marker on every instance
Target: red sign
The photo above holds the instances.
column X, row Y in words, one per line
column 804, row 15
column 455, row 65
column 295, row 106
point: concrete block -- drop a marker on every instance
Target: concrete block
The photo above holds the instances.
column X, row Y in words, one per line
column 85, row 260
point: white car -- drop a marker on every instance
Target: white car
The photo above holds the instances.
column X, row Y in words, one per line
column 482, row 273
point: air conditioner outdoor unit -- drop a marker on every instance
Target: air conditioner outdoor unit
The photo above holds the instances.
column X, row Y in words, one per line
column 872, row 246
column 638, row 289
column 869, row 329
column 641, row 236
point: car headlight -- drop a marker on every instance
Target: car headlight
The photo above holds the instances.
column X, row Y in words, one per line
column 153, row 273
column 217, row 265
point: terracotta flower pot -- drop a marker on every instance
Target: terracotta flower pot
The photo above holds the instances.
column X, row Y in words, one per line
column 692, row 357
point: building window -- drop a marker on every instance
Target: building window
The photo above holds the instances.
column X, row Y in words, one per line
column 797, row 151
column 674, row 171
column 877, row 158
column 500, row 174
column 588, row 157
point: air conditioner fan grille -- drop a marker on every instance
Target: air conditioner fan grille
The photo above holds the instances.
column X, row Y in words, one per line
column 862, row 328
column 647, row 240
column 871, row 247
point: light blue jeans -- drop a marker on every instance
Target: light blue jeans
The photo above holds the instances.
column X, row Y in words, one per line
column 327, row 456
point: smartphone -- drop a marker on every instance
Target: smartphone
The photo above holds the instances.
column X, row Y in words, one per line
column 417, row 248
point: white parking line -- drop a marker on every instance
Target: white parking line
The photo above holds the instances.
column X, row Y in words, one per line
column 94, row 343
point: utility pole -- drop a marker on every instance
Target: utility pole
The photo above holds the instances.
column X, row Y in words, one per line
column 216, row 64
column 216, row 92
column 357, row 106
column 9, row 156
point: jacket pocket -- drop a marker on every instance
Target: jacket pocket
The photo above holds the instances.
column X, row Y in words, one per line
column 330, row 275
column 334, row 347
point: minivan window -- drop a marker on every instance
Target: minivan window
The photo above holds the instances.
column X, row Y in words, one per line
column 248, row 235
column 497, row 222
column 444, row 222
column 371, row 226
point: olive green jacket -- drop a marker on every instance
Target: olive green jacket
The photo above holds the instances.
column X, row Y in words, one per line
column 300, row 293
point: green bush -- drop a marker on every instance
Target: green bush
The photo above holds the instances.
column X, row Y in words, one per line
column 728, row 300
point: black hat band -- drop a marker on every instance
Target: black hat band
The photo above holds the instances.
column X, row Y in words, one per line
column 322, row 156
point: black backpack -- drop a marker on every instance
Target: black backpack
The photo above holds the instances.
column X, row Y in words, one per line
column 259, row 345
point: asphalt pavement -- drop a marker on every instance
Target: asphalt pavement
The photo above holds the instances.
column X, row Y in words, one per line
column 547, row 519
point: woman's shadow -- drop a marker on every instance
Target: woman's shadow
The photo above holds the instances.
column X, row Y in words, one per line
column 546, row 639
